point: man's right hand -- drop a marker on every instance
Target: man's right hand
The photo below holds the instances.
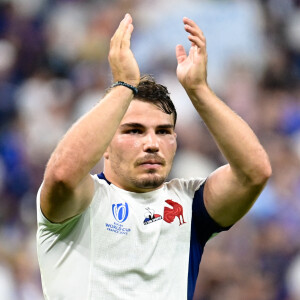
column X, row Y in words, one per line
column 121, row 59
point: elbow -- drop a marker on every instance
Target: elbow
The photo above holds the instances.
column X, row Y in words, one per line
column 262, row 174
column 257, row 172
column 266, row 173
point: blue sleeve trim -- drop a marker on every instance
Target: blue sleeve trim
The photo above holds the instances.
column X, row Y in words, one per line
column 206, row 226
column 202, row 228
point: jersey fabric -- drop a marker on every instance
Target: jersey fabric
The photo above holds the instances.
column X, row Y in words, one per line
column 127, row 245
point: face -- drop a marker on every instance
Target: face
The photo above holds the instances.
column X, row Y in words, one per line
column 140, row 155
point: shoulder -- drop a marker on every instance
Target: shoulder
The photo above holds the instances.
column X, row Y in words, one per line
column 100, row 186
column 189, row 186
column 45, row 225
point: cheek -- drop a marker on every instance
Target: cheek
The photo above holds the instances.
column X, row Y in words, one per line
column 173, row 141
column 128, row 144
column 136, row 144
column 171, row 145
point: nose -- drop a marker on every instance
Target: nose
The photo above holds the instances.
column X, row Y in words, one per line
column 151, row 144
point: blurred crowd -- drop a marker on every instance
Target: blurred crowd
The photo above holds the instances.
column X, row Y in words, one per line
column 53, row 68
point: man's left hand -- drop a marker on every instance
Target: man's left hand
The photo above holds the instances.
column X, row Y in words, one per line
column 192, row 68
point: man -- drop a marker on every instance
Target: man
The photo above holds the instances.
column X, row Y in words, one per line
column 126, row 234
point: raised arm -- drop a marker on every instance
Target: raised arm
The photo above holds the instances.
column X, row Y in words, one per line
column 231, row 190
column 68, row 187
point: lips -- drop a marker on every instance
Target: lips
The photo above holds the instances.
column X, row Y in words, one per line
column 150, row 166
column 151, row 161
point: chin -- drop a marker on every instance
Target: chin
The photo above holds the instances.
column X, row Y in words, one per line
column 149, row 181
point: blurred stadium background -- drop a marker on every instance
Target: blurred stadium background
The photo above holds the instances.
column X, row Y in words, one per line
column 53, row 68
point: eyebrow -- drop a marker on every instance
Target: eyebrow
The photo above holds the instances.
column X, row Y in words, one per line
column 165, row 126
column 138, row 125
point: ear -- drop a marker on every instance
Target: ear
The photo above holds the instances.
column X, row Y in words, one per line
column 106, row 155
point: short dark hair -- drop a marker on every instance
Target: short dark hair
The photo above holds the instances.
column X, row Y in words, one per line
column 151, row 91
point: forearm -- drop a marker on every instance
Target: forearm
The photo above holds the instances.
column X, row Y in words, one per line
column 86, row 141
column 234, row 137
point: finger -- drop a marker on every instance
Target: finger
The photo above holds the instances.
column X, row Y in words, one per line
column 195, row 31
column 116, row 40
column 192, row 26
column 190, row 22
column 197, row 42
column 193, row 52
column 180, row 54
column 127, row 37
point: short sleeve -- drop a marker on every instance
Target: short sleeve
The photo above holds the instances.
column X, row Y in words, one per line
column 44, row 225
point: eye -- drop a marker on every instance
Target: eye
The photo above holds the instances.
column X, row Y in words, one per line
column 133, row 131
column 164, row 131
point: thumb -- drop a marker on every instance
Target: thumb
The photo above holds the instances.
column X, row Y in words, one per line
column 180, row 54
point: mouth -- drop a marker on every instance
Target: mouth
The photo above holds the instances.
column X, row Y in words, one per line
column 150, row 163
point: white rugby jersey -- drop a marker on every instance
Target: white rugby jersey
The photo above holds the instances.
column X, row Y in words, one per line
column 127, row 245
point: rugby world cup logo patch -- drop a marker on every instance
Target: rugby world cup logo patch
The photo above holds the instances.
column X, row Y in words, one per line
column 120, row 212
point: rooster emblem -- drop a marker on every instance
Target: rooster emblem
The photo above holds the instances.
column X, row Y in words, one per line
column 175, row 211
